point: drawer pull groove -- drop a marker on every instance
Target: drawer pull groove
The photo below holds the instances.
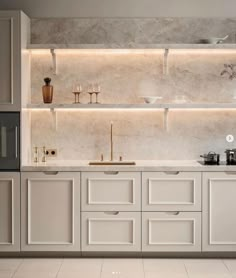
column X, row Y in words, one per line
column 51, row 173
column 230, row 173
column 173, row 212
column 111, row 212
column 171, row 172
column 111, row 173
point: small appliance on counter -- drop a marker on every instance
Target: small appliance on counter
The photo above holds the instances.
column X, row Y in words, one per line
column 230, row 156
column 9, row 141
column 211, row 158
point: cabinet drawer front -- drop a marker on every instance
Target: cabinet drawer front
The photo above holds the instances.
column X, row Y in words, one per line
column 102, row 191
column 171, row 231
column 176, row 191
column 9, row 212
column 108, row 231
column 50, row 212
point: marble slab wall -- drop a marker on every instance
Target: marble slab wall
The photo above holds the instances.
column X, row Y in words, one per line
column 125, row 31
column 124, row 77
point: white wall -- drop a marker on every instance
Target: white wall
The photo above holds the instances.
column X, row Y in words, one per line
column 123, row 8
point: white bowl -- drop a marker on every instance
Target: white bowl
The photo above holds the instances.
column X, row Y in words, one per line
column 151, row 99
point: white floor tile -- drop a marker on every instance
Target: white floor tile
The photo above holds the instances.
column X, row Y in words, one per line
column 81, row 265
column 231, row 265
column 164, row 275
column 164, row 266
column 206, row 268
column 6, row 274
column 34, row 275
column 50, row 266
column 122, row 265
column 86, row 274
column 10, row 264
column 122, row 275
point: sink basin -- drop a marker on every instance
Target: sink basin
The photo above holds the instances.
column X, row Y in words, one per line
column 106, row 163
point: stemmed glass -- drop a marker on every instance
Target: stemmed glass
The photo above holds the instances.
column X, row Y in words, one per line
column 77, row 90
column 90, row 92
column 96, row 90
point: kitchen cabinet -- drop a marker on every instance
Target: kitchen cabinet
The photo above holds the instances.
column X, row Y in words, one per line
column 105, row 191
column 171, row 231
column 111, row 231
column 13, row 38
column 50, row 211
column 171, row 191
column 219, row 206
column 9, row 211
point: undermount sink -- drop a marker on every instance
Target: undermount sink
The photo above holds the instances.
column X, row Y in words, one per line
column 112, row 163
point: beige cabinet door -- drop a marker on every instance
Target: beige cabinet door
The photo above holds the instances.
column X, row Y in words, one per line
column 109, row 191
column 171, row 231
column 111, row 231
column 50, row 211
column 171, row 191
column 10, row 53
column 9, row 212
column 219, row 208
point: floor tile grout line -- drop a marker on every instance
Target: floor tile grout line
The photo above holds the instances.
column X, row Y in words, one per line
column 14, row 272
column 186, row 269
column 223, row 261
column 62, row 261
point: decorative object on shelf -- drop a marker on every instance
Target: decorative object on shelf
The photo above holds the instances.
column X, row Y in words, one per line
column 229, row 69
column 213, row 40
column 44, row 154
column 47, row 91
column 150, row 99
column 36, row 155
column 77, row 90
column 94, row 89
column 180, row 99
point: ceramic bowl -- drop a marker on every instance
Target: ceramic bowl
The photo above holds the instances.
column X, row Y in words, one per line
column 150, row 99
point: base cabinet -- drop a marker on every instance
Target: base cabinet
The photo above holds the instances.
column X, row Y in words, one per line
column 111, row 231
column 219, row 207
column 50, row 211
column 171, row 231
column 9, row 211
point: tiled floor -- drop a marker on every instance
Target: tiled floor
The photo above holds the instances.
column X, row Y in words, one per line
column 118, row 268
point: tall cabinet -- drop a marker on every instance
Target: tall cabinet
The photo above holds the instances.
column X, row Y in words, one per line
column 14, row 76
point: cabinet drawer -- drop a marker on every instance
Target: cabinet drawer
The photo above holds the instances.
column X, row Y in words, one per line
column 171, row 191
column 111, row 231
column 103, row 191
column 171, row 231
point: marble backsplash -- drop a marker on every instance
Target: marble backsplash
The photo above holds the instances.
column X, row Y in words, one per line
column 124, row 77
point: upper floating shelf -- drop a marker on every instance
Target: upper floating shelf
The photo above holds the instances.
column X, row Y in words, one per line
column 134, row 106
column 130, row 46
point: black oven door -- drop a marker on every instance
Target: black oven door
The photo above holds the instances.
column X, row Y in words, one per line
column 9, row 141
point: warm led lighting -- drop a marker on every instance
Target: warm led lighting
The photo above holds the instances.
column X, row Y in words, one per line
column 203, row 51
column 99, row 51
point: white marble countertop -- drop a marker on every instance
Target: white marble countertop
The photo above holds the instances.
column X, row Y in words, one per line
column 141, row 165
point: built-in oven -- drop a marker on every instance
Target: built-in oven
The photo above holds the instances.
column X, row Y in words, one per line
column 9, row 141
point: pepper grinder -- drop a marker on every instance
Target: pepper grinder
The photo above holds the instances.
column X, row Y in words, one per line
column 44, row 154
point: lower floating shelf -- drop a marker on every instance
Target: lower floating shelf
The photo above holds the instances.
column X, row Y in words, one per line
column 134, row 106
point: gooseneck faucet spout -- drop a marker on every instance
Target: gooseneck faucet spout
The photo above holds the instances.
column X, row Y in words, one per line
column 111, row 141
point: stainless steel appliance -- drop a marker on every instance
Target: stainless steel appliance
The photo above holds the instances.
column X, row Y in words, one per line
column 211, row 158
column 9, row 141
column 231, row 156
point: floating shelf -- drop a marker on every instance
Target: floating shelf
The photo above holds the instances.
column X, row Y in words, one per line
column 134, row 106
column 131, row 46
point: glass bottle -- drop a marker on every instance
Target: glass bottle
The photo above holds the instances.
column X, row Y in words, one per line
column 47, row 91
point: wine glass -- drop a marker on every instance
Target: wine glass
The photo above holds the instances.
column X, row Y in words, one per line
column 77, row 90
column 90, row 92
column 97, row 90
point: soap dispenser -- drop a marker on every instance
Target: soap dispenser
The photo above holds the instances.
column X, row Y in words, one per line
column 47, row 91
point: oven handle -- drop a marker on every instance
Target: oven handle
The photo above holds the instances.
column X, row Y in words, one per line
column 16, row 141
